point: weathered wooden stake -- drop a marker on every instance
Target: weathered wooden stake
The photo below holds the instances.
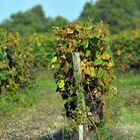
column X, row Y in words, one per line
column 79, row 88
column 78, row 78
column 81, row 132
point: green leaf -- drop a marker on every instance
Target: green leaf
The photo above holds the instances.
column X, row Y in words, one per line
column 85, row 44
column 81, row 53
column 79, row 26
column 87, row 53
column 66, row 68
column 92, row 72
column 98, row 62
column 108, row 40
column 100, row 73
column 54, row 60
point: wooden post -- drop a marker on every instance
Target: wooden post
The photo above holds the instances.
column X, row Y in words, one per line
column 81, row 132
column 79, row 88
column 78, row 78
column 76, row 65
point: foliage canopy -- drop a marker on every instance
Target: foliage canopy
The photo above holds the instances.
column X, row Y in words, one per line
column 92, row 41
column 32, row 21
column 119, row 14
column 16, row 62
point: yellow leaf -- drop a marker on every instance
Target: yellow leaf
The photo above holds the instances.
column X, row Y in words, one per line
column 90, row 71
column 7, row 86
column 111, row 64
column 54, row 60
column 61, row 85
column 70, row 31
column 106, row 56
column 99, row 32
column 118, row 52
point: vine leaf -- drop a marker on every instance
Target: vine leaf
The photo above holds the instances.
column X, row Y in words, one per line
column 100, row 73
column 85, row 44
column 61, row 85
column 106, row 56
column 111, row 64
column 70, row 31
column 87, row 53
column 54, row 60
column 90, row 71
column 98, row 62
